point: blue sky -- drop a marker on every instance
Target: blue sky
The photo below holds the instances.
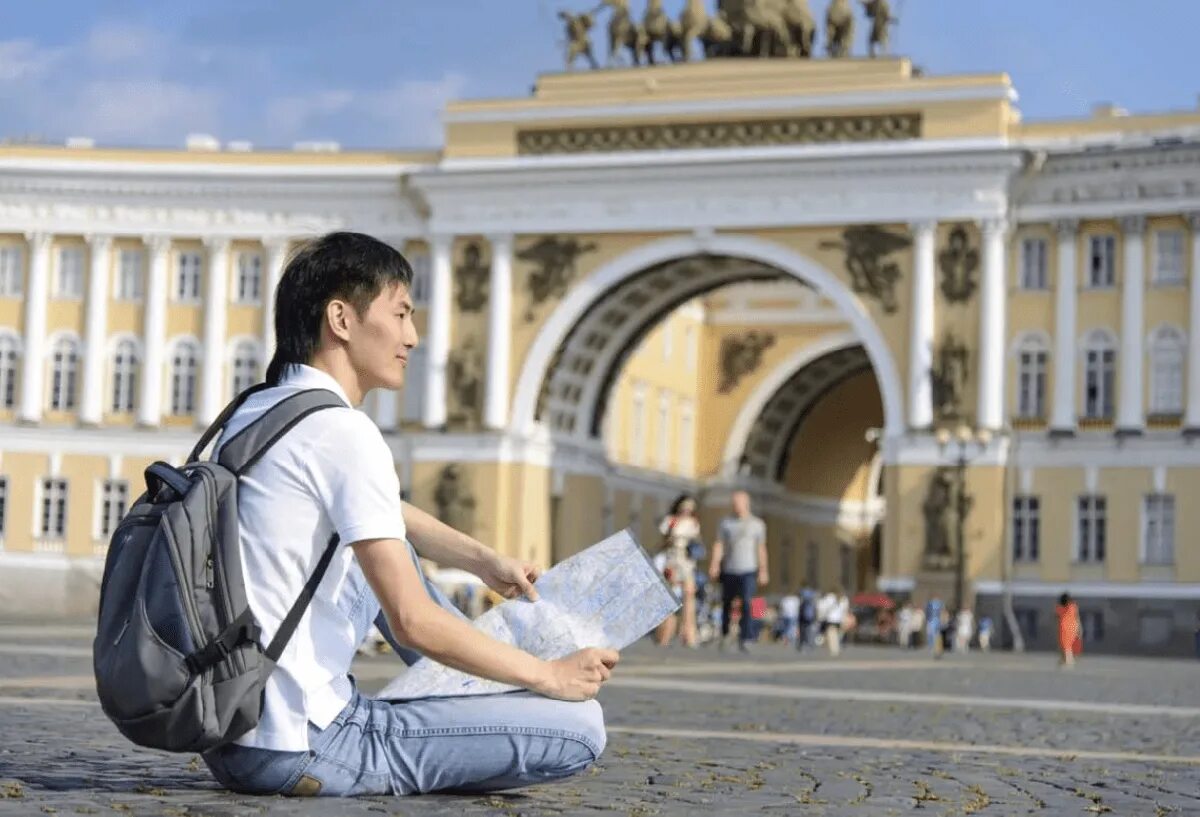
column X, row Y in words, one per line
column 374, row 73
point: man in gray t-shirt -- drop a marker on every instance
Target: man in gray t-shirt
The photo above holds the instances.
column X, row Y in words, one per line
column 739, row 559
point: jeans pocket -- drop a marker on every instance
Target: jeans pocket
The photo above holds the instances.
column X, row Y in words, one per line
column 248, row 770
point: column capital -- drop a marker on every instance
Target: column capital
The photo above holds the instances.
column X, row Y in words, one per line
column 98, row 241
column 39, row 239
column 157, row 243
column 276, row 244
column 1135, row 224
column 923, row 226
column 498, row 240
column 993, row 226
column 216, row 243
column 1067, row 227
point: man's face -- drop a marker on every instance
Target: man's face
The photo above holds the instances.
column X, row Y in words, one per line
column 741, row 503
column 380, row 343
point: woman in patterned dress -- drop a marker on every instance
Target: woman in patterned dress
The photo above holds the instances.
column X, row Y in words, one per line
column 1070, row 631
column 679, row 528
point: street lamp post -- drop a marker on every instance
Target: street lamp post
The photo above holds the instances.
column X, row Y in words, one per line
column 965, row 445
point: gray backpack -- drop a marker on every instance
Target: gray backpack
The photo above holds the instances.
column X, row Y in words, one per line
column 178, row 661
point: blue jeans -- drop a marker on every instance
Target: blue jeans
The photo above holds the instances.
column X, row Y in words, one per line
column 742, row 585
column 471, row 744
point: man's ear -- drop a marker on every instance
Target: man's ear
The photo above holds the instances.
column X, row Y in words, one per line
column 337, row 318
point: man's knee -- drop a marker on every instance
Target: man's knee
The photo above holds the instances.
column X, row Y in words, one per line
column 587, row 722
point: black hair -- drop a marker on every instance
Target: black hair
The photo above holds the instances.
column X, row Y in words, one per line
column 678, row 503
column 1064, row 599
column 348, row 266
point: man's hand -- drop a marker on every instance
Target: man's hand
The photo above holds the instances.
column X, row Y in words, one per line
column 579, row 676
column 714, row 571
column 762, row 577
column 511, row 577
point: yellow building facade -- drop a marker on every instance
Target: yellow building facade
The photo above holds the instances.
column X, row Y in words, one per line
column 948, row 352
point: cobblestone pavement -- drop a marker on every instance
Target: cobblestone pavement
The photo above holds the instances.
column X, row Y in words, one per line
column 876, row 732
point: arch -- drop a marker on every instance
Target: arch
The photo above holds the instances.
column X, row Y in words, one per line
column 752, row 409
column 1099, row 340
column 116, row 341
column 586, row 292
column 1033, row 340
column 244, row 362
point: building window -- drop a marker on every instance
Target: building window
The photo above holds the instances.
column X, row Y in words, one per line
column 687, row 440
column 131, row 266
column 10, row 351
column 1099, row 376
column 1027, row 528
column 1091, row 529
column 663, row 430
column 69, row 281
column 187, row 279
column 421, row 267
column 414, row 383
column 113, row 505
column 1158, row 534
column 1168, row 257
column 1027, row 621
column 12, row 263
column 65, row 373
column 184, row 364
column 1102, row 261
column 54, row 508
column 637, row 437
column 249, row 278
column 1033, row 264
column 1167, row 355
column 246, row 364
column 124, row 376
column 3, row 505
column 1092, row 623
column 1032, row 361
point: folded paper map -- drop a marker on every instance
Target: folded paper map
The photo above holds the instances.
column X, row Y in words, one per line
column 609, row 595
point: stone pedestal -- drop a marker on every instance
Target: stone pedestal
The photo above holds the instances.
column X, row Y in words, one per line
column 940, row 583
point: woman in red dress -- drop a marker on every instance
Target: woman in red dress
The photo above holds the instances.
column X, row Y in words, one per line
column 1070, row 632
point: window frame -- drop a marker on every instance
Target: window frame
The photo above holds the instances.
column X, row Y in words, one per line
column 174, row 382
column 1099, row 351
column 1026, row 528
column 179, row 292
column 126, row 270
column 117, row 376
column 1034, row 277
column 1178, row 274
column 4, row 497
column 112, row 509
column 256, row 276
column 54, row 490
column 12, row 271
column 1091, row 529
column 1158, row 529
column 68, row 377
column 1102, row 267
column 10, row 345
column 1167, row 351
column 238, row 362
column 1033, row 364
column 78, row 274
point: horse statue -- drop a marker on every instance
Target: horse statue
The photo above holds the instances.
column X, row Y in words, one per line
column 839, row 28
column 693, row 25
column 766, row 32
column 880, row 12
column 717, row 38
column 658, row 29
column 623, row 32
column 801, row 26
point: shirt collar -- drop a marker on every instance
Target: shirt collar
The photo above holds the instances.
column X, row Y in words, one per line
column 303, row 376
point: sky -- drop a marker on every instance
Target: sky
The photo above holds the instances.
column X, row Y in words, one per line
column 376, row 73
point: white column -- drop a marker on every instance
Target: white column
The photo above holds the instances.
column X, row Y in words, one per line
column 91, row 409
column 154, row 332
column 1063, row 414
column 1192, row 419
column 992, row 312
column 495, row 409
column 212, row 396
column 1130, row 416
column 437, row 332
column 920, row 342
column 33, row 370
column 277, row 251
column 386, row 409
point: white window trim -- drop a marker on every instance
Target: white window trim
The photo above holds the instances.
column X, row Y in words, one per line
column 1091, row 560
column 118, row 277
column 231, row 360
column 177, row 280
column 51, row 349
column 19, row 347
column 1112, row 262
column 1166, row 338
column 57, row 291
column 1099, row 340
column 47, row 541
column 168, row 381
column 236, row 284
column 1023, row 269
column 114, row 346
column 1026, row 516
column 1180, row 274
column 1143, row 538
column 5, row 507
column 18, row 290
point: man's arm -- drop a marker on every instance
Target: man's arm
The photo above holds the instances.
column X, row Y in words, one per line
column 417, row 621
column 435, row 540
column 763, row 572
column 718, row 553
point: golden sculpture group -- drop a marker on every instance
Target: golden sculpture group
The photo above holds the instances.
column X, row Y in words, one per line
column 739, row 28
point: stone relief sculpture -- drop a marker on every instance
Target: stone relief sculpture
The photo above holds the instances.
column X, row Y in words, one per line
column 949, row 378
column 738, row 28
column 471, row 280
column 453, row 499
column 555, row 257
column 740, row 355
column 940, row 509
column 464, row 375
column 959, row 263
column 871, row 272
column 579, row 37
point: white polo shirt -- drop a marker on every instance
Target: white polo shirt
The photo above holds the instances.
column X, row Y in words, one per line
column 332, row 471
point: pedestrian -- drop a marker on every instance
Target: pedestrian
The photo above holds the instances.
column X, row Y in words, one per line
column 1070, row 630
column 934, row 610
column 679, row 529
column 789, row 618
column 836, row 620
column 964, row 630
column 327, row 491
column 904, row 624
column 918, row 627
column 739, row 560
column 808, row 619
column 985, row 633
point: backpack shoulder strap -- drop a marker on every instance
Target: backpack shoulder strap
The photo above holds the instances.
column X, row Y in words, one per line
column 213, row 430
column 247, row 446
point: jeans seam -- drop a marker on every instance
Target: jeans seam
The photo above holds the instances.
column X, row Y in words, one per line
column 466, row 731
column 296, row 775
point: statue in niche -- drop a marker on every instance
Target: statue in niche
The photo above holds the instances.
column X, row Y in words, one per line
column 871, row 272
column 880, row 13
column 740, row 355
column 555, row 257
column 579, row 37
column 464, row 373
column 959, row 262
column 839, row 28
column 949, row 378
column 453, row 499
column 939, row 509
column 471, row 280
